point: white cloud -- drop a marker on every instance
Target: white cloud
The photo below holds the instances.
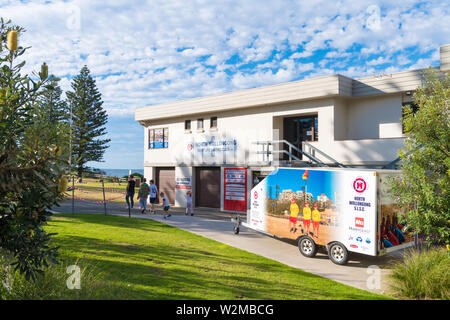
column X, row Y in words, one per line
column 145, row 53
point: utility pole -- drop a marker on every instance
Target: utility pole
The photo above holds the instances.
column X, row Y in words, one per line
column 71, row 123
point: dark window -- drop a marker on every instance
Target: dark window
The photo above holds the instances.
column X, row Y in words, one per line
column 199, row 124
column 213, row 122
column 187, row 125
column 406, row 108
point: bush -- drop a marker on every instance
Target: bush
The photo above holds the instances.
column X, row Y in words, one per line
column 52, row 284
column 423, row 275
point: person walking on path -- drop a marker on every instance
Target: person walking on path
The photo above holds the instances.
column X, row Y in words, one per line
column 189, row 208
column 130, row 192
column 153, row 193
column 166, row 205
column 143, row 193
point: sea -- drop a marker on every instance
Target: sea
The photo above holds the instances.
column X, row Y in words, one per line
column 121, row 172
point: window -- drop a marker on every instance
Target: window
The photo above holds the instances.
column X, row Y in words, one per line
column 213, row 124
column 199, row 124
column 187, row 125
column 158, row 138
column 406, row 108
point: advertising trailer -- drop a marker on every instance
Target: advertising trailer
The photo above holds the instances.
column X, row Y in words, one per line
column 342, row 209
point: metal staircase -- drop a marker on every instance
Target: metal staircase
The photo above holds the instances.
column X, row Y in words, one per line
column 308, row 151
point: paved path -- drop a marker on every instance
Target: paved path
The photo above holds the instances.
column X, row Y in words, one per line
column 217, row 226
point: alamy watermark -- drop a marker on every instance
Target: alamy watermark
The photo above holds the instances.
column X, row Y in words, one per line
column 74, row 280
column 374, row 280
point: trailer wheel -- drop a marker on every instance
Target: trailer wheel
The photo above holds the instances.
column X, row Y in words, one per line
column 236, row 230
column 338, row 253
column 307, row 247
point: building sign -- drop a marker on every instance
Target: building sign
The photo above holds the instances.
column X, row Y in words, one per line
column 183, row 183
column 158, row 138
column 213, row 146
column 235, row 189
column 209, row 150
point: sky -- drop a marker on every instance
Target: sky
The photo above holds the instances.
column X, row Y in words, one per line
column 318, row 182
column 144, row 53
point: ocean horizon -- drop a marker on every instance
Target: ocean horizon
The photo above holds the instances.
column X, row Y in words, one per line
column 120, row 172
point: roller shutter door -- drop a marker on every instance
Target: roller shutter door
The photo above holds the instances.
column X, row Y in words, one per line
column 165, row 181
column 207, row 187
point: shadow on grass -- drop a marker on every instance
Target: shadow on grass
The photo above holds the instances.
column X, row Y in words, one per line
column 171, row 272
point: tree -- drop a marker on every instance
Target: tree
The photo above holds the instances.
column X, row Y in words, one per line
column 50, row 103
column 33, row 160
column 88, row 121
column 423, row 189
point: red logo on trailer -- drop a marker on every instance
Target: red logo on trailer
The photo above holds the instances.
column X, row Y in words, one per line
column 359, row 222
column 359, row 185
column 255, row 194
column 189, row 147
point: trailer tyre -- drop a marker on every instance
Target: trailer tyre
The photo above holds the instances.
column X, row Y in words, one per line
column 338, row 253
column 307, row 247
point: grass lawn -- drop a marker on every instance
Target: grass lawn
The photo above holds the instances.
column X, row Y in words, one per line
column 91, row 189
column 144, row 259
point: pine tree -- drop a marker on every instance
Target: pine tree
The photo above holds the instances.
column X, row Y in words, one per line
column 88, row 121
column 50, row 104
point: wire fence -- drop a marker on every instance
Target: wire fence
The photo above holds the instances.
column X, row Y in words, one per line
column 93, row 192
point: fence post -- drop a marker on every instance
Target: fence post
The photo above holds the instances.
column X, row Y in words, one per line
column 73, row 194
column 104, row 200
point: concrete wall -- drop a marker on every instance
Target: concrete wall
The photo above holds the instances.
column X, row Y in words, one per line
column 349, row 130
column 365, row 117
column 445, row 58
column 361, row 152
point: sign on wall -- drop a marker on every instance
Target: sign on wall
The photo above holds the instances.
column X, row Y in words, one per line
column 209, row 150
column 158, row 138
column 235, row 189
column 183, row 183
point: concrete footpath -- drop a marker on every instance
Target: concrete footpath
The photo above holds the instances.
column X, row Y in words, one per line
column 218, row 226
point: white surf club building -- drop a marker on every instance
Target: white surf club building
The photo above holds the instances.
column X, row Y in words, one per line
column 220, row 146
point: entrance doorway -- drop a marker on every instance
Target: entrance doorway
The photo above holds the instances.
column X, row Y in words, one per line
column 165, row 182
column 207, row 187
column 299, row 129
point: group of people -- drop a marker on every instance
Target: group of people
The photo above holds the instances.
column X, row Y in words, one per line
column 308, row 216
column 147, row 191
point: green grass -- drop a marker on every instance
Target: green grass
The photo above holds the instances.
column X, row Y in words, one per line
column 144, row 259
column 423, row 275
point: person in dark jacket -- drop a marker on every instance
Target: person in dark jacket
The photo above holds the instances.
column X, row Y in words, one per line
column 130, row 192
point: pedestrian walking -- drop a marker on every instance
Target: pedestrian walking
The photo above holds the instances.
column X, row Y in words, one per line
column 189, row 209
column 166, row 206
column 143, row 193
column 130, row 192
column 153, row 194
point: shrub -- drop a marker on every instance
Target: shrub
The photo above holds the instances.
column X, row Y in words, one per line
column 52, row 284
column 422, row 275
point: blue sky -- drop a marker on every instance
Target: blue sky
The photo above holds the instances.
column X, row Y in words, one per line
column 319, row 182
column 144, row 53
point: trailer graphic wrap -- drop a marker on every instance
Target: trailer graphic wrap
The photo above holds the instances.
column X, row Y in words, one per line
column 258, row 201
column 327, row 205
column 357, row 208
